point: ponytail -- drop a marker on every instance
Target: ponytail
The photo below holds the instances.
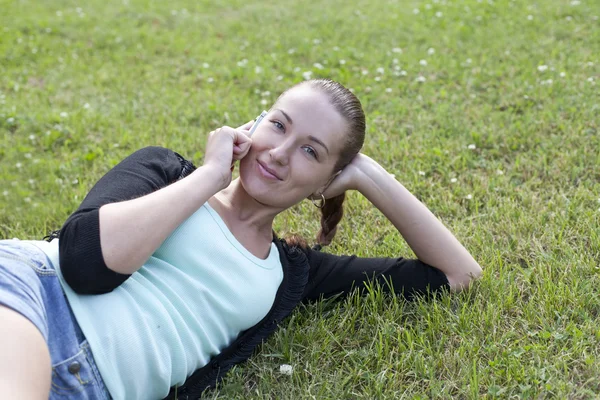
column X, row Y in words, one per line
column 331, row 215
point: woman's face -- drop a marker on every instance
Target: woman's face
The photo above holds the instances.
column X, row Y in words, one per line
column 294, row 149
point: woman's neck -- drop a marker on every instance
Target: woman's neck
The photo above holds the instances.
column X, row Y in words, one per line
column 239, row 210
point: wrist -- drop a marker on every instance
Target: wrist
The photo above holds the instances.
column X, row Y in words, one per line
column 367, row 171
column 213, row 177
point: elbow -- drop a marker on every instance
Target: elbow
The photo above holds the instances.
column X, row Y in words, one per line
column 467, row 275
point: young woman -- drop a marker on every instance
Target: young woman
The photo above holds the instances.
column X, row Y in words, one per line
column 167, row 275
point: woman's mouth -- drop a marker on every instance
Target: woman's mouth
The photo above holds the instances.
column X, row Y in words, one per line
column 266, row 171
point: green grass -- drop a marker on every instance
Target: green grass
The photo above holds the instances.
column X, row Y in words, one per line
column 82, row 88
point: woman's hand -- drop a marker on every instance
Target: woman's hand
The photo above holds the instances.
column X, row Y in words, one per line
column 225, row 146
column 348, row 178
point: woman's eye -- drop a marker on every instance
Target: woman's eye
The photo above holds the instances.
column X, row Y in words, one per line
column 278, row 125
column 311, row 151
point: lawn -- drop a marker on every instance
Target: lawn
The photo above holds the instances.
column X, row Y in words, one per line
column 488, row 111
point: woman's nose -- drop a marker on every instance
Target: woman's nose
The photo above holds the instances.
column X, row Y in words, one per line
column 279, row 154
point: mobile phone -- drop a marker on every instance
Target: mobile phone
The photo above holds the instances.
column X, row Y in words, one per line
column 256, row 122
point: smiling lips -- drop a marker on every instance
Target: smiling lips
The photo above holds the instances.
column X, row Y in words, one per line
column 267, row 172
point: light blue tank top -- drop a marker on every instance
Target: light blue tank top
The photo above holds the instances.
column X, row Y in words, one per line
column 191, row 299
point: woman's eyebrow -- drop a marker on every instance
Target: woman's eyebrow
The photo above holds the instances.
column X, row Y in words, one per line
column 289, row 120
column 314, row 139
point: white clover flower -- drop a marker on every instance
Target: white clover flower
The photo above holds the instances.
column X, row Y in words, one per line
column 242, row 63
column 500, row 172
column 562, row 74
column 575, row 2
column 431, row 51
column 210, row 80
column 86, row 106
column 423, row 62
column 568, row 18
column 416, row 11
column 266, row 93
column 404, row 73
column 32, row 137
column 18, row 165
column 590, row 79
column 420, row 79
column 388, row 90
column 318, row 65
column 59, row 14
column 377, row 78
column 395, row 61
column 10, row 120
column 27, row 155
column 75, row 181
column 31, row 181
column 422, row 173
column 296, row 69
column 263, row 102
column 530, row 17
column 380, row 70
column 396, row 50
column 471, row 147
column 279, row 77
column 590, row 64
column 364, row 71
column 317, row 41
column 342, row 62
column 335, row 48
column 258, row 69
column 27, row 200
column 453, row 180
column 64, row 115
column 439, row 14
column 5, row 193
column 286, row 369
column 542, row 68
column 205, row 65
column 547, row 82
column 291, row 51
column 428, row 6
column 469, row 197
column 307, row 75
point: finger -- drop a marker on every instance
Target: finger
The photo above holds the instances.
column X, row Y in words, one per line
column 241, row 151
column 241, row 136
column 246, row 126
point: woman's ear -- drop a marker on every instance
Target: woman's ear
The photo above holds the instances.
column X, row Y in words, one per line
column 322, row 189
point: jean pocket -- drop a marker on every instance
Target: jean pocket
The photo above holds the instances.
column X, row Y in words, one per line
column 74, row 377
column 28, row 254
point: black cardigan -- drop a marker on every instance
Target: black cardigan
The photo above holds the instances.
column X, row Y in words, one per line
column 307, row 274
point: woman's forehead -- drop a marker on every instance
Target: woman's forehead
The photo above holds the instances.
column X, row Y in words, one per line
column 310, row 110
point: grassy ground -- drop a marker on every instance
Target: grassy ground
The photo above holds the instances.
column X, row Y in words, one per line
column 487, row 110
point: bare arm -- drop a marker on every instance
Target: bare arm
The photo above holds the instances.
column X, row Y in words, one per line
column 130, row 231
column 430, row 240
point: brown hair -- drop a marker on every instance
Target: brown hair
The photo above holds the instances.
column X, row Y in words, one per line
column 349, row 107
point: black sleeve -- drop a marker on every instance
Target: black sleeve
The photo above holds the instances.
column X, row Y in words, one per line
column 80, row 253
column 331, row 275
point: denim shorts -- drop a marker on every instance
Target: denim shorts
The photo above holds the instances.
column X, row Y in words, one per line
column 30, row 286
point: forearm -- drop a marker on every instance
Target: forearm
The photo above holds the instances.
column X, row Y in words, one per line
column 130, row 231
column 430, row 240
